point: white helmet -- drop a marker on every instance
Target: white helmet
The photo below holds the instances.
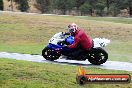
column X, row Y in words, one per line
column 72, row 28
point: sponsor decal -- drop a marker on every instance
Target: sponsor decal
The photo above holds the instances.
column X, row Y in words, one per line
column 83, row 78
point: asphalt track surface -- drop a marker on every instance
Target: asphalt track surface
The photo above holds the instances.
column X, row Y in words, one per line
column 114, row 65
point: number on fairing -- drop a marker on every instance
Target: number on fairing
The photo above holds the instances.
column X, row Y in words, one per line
column 51, row 40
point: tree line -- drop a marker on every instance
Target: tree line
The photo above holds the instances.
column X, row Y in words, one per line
column 84, row 7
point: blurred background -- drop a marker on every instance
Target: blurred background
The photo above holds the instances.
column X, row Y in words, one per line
column 120, row 8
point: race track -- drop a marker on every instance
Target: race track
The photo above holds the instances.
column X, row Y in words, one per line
column 115, row 65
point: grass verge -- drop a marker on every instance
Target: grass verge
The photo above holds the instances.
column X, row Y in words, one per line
column 23, row 74
column 110, row 19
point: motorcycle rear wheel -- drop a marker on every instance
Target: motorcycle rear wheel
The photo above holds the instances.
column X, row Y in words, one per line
column 49, row 54
column 98, row 56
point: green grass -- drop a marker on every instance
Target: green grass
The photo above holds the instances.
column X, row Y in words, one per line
column 21, row 48
column 22, row 74
column 116, row 20
column 120, row 51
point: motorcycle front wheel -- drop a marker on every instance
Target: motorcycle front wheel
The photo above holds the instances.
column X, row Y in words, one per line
column 49, row 54
column 98, row 56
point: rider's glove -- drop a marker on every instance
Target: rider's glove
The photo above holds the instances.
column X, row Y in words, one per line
column 65, row 46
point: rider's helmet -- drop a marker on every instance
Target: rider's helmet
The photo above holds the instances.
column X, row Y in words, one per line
column 72, row 28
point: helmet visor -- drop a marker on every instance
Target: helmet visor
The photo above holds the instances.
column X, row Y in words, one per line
column 71, row 30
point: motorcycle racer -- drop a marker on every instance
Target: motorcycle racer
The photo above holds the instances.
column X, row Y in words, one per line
column 80, row 37
column 82, row 42
column 76, row 46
